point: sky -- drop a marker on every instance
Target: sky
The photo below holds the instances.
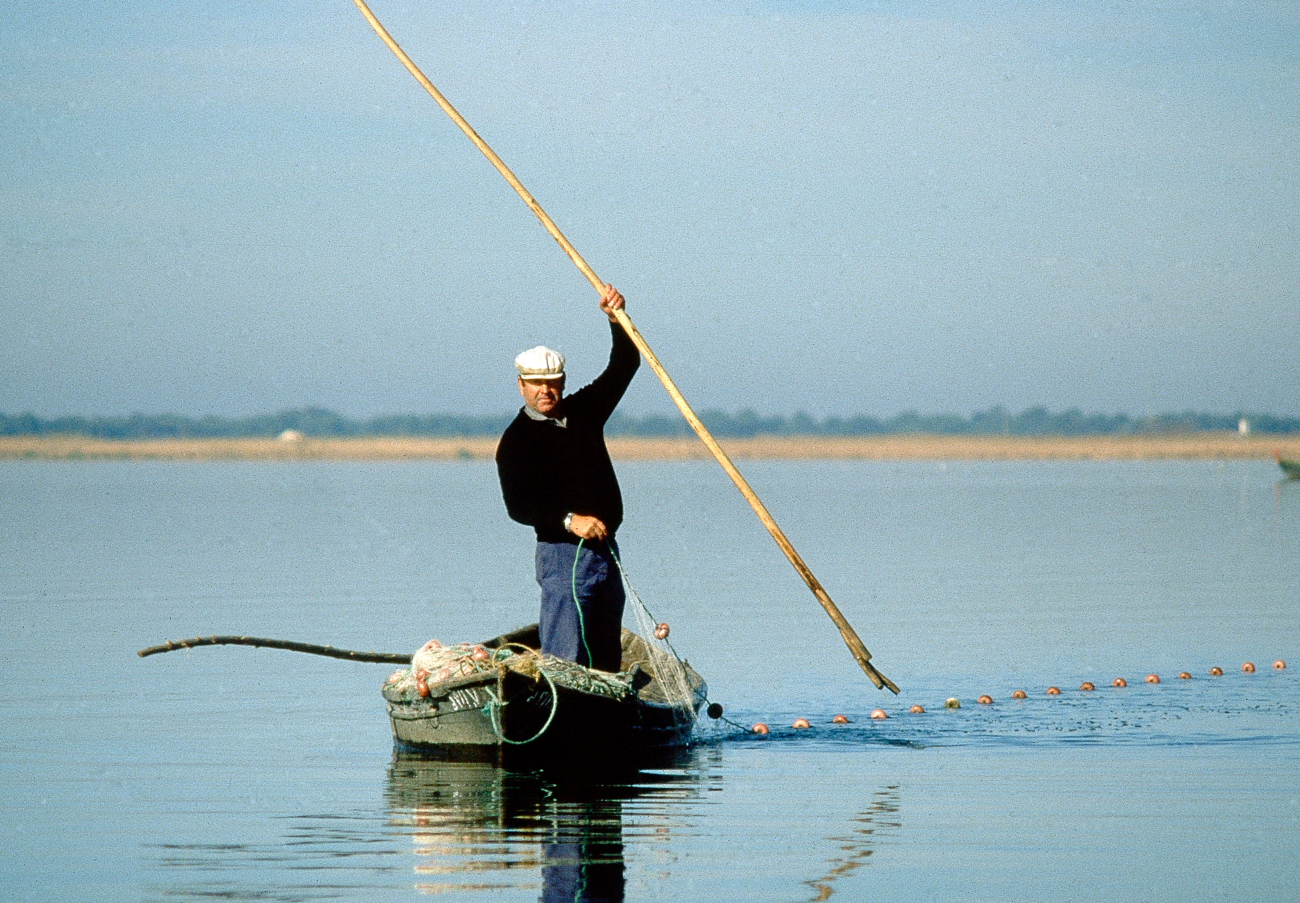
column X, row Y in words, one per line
column 840, row 208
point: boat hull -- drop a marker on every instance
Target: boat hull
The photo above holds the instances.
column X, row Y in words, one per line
column 505, row 716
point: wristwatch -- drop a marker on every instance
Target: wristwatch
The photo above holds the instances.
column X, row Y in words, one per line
column 568, row 521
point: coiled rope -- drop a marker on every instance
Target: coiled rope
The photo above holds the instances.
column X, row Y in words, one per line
column 496, row 703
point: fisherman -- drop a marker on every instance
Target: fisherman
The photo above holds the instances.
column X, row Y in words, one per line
column 556, row 477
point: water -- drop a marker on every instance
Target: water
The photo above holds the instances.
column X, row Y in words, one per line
column 248, row 774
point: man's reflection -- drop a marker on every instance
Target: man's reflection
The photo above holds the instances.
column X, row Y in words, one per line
column 583, row 855
column 473, row 823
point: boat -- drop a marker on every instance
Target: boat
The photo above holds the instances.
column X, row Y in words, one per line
column 503, row 701
column 1289, row 467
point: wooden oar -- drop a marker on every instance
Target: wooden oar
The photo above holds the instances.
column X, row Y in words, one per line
column 851, row 638
column 386, row 658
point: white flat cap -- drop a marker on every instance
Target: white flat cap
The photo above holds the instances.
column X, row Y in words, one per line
column 540, row 363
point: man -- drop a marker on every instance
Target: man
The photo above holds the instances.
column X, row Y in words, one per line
column 557, row 478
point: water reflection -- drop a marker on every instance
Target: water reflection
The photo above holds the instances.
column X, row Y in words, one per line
column 878, row 819
column 475, row 826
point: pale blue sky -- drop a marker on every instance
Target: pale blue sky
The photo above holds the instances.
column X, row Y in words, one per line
column 233, row 208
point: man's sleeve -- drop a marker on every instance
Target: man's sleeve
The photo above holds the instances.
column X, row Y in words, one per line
column 513, row 486
column 606, row 391
column 526, row 500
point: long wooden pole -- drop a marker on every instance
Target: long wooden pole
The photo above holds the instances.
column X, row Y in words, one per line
column 850, row 636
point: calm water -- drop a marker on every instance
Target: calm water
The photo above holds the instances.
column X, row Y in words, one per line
column 247, row 774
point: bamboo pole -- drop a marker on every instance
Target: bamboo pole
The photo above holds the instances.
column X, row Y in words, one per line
column 847, row 632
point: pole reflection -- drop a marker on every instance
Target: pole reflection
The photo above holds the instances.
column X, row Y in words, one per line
column 880, row 818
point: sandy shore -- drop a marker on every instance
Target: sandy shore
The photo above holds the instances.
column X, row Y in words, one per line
column 882, row 448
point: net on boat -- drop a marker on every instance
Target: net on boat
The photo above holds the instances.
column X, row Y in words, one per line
column 647, row 646
column 435, row 664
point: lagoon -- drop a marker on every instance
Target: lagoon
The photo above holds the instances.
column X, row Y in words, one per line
column 255, row 774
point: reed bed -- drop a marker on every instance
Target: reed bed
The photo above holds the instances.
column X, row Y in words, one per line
column 875, row 448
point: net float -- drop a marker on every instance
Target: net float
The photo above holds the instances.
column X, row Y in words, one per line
column 801, row 723
column 1119, row 682
column 1153, row 678
column 1019, row 694
column 1279, row 665
column 952, row 702
column 840, row 719
column 1053, row 691
column 985, row 700
column 661, row 631
column 1086, row 685
column 480, row 654
column 430, row 646
column 1216, row 671
column 760, row 728
column 1248, row 668
column 1184, row 675
column 714, row 710
column 421, row 687
column 917, row 709
column 879, row 715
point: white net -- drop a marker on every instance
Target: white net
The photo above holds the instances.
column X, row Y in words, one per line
column 648, row 647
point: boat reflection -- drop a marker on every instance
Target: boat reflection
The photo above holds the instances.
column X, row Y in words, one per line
column 475, row 827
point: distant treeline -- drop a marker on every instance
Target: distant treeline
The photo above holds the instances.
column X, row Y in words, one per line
column 320, row 423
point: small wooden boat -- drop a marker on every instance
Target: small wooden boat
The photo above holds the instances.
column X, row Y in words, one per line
column 1290, row 468
column 503, row 701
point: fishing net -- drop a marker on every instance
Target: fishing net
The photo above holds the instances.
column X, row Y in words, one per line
column 435, row 666
column 647, row 647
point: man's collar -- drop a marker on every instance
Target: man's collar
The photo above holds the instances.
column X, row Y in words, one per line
column 538, row 415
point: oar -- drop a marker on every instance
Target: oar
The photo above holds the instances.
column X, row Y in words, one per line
column 387, row 658
column 855, row 644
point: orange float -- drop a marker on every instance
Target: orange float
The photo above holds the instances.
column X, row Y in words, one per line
column 1087, row 685
column 1119, row 682
column 1153, row 678
column 1279, row 665
column 879, row 715
column 985, row 700
column 1184, row 675
column 1248, row 668
column 1019, row 694
column 840, row 719
column 1053, row 691
column 760, row 728
column 1216, row 672
column 917, row 710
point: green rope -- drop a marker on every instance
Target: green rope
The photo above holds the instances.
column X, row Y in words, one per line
column 582, row 623
column 495, row 705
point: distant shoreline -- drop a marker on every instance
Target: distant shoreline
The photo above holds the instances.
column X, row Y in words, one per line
column 1193, row 446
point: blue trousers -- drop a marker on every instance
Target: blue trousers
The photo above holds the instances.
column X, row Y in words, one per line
column 595, row 623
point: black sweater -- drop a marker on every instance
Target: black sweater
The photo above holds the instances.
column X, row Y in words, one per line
column 548, row 470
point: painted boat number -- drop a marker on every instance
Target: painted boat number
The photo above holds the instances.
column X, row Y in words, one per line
column 460, row 700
